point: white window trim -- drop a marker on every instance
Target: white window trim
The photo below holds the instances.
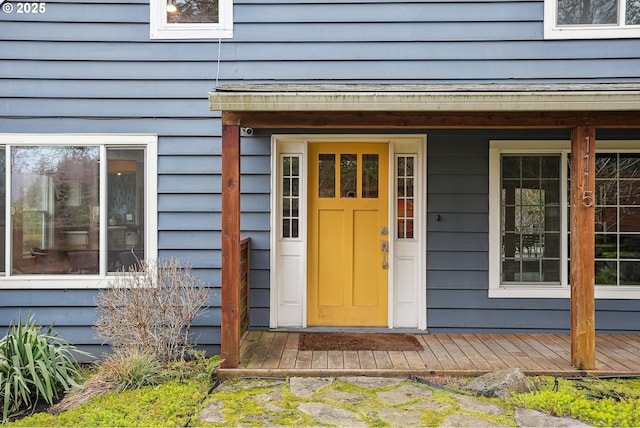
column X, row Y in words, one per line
column 562, row 290
column 150, row 142
column 160, row 29
column 617, row 31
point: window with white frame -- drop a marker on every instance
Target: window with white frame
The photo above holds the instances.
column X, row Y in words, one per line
column 191, row 19
column 529, row 226
column 405, row 195
column 290, row 197
column 591, row 19
column 75, row 206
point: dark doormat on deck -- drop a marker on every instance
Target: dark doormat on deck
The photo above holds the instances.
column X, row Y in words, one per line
column 358, row 342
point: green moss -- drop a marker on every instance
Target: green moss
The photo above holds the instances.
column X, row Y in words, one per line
column 169, row 404
column 615, row 402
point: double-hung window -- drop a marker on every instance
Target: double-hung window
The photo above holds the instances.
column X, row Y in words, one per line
column 75, row 208
column 591, row 19
column 191, row 19
column 529, row 219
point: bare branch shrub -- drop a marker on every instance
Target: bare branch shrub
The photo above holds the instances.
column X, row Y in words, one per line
column 150, row 308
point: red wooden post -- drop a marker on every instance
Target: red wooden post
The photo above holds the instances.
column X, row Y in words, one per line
column 583, row 336
column 230, row 329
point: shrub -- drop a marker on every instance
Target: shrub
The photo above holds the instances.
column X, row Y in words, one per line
column 150, row 308
column 34, row 366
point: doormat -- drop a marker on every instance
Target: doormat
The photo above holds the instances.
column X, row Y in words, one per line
column 358, row 342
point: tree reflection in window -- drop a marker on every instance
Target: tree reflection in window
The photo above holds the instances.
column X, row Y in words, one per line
column 193, row 11
column 530, row 218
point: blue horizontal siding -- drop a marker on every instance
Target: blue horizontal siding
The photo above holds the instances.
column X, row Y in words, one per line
column 90, row 67
column 177, row 221
column 183, row 202
column 170, row 127
column 157, row 90
column 259, row 51
column 192, row 164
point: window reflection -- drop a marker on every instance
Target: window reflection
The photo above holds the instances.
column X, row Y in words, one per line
column 3, row 209
column 290, row 196
column 370, row 173
column 617, row 219
column 404, row 196
column 125, row 208
column 530, row 219
column 326, row 175
column 192, row 11
column 348, row 176
column 55, row 201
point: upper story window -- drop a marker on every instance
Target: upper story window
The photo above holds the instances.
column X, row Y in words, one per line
column 191, row 19
column 75, row 208
column 591, row 19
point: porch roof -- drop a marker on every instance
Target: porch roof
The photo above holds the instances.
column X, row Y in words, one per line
column 426, row 98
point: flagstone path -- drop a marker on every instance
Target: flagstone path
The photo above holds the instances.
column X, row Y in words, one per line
column 358, row 402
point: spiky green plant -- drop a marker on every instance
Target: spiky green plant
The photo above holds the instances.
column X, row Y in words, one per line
column 131, row 369
column 34, row 366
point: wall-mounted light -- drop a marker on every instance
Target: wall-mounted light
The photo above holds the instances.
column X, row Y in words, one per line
column 171, row 8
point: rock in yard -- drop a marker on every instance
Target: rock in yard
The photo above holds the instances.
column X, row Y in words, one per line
column 501, row 383
column 305, row 387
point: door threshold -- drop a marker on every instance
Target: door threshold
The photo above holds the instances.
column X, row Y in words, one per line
column 334, row 329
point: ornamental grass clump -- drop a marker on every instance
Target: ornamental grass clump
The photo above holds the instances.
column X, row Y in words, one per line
column 131, row 370
column 34, row 366
column 150, row 309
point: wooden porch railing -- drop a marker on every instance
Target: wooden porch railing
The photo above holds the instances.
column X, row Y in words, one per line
column 245, row 266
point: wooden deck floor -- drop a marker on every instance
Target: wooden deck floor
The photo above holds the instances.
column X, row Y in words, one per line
column 268, row 353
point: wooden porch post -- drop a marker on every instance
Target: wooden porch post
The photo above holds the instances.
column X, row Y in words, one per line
column 583, row 338
column 230, row 329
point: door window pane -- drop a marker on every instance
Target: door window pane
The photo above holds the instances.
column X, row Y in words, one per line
column 348, row 176
column 327, row 175
column 55, row 201
column 125, row 208
column 370, row 176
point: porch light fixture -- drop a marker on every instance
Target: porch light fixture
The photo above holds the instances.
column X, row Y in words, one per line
column 171, row 8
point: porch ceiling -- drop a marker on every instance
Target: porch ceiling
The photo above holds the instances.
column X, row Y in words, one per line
column 605, row 97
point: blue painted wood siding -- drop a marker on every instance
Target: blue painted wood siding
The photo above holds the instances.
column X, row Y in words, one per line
column 89, row 67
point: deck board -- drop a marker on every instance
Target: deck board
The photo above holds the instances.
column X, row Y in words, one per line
column 274, row 354
column 277, row 353
column 507, row 359
column 290, row 352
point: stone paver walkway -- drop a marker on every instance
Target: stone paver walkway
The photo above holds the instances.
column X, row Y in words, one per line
column 356, row 402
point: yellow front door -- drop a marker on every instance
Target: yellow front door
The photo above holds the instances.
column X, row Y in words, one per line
column 348, row 239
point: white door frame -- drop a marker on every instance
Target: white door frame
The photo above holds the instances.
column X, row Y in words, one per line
column 288, row 256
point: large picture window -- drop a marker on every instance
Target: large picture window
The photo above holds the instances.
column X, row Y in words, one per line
column 592, row 18
column 75, row 206
column 529, row 226
column 191, row 19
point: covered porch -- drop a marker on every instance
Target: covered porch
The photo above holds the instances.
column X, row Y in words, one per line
column 582, row 109
column 269, row 353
